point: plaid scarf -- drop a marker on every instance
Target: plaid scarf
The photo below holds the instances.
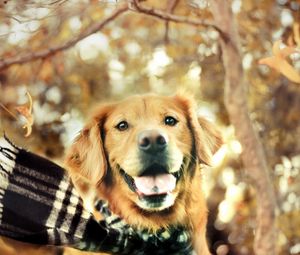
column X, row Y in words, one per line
column 39, row 205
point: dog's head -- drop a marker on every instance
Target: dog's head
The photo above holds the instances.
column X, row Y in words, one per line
column 143, row 151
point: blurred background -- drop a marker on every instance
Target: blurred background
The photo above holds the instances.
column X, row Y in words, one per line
column 136, row 53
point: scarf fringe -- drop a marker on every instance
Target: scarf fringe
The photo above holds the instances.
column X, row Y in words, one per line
column 8, row 153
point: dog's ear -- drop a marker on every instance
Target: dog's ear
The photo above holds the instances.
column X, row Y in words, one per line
column 213, row 136
column 207, row 138
column 86, row 159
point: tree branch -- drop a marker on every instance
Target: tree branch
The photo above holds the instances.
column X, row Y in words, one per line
column 42, row 54
column 253, row 155
column 170, row 9
column 134, row 5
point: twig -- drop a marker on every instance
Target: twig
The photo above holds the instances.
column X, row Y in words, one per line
column 134, row 5
column 8, row 111
column 42, row 54
column 170, row 9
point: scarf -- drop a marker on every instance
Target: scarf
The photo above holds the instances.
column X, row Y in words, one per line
column 39, row 205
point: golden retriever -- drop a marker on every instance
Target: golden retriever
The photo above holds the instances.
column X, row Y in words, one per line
column 144, row 155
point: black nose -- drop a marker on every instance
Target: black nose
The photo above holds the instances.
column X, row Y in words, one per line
column 152, row 141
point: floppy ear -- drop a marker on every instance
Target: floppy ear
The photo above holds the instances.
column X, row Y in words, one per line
column 207, row 138
column 213, row 135
column 86, row 158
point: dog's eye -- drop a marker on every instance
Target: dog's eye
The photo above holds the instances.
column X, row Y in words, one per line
column 122, row 126
column 170, row 121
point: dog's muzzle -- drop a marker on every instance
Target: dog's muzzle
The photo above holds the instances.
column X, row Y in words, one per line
column 154, row 187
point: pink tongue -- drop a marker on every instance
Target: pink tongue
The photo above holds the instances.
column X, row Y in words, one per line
column 155, row 185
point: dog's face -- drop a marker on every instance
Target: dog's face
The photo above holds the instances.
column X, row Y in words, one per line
column 148, row 143
column 145, row 148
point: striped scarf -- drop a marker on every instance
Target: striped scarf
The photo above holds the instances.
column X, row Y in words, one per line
column 39, row 205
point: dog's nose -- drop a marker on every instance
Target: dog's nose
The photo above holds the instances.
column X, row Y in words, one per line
column 152, row 141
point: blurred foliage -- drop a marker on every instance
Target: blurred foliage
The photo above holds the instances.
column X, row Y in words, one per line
column 132, row 55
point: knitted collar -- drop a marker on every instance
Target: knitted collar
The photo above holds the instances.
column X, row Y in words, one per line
column 39, row 205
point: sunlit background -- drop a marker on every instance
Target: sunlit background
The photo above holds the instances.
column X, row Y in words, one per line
column 134, row 54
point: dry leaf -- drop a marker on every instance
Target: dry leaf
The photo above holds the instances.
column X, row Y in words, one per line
column 280, row 64
column 26, row 112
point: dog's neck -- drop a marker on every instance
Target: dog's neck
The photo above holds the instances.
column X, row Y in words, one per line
column 171, row 240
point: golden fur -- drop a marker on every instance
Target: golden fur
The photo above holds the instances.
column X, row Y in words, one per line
column 95, row 159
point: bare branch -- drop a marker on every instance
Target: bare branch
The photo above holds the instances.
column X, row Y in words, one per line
column 42, row 54
column 134, row 5
column 170, row 9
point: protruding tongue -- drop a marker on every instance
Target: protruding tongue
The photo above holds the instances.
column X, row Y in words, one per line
column 155, row 185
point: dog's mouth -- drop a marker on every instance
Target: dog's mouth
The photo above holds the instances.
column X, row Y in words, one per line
column 154, row 186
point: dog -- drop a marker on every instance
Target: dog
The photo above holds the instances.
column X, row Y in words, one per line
column 144, row 156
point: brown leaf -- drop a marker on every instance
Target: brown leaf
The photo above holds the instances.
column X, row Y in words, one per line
column 26, row 112
column 280, row 64
column 276, row 48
